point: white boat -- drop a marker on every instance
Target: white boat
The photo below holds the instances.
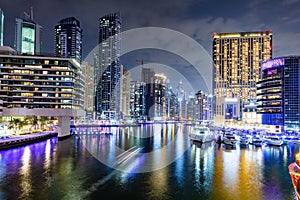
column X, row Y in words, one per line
column 202, row 134
column 229, row 139
column 255, row 140
column 290, row 139
column 272, row 140
column 243, row 140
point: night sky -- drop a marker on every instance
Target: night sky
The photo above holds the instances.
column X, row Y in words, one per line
column 198, row 19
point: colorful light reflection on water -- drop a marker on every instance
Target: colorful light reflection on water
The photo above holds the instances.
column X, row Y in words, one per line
column 66, row 170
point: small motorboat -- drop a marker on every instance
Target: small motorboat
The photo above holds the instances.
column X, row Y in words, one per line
column 229, row 139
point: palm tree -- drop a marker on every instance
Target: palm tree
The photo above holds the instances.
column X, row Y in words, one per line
column 43, row 121
column 15, row 123
column 31, row 120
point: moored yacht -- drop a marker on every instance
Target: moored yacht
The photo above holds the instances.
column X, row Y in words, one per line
column 290, row 139
column 272, row 140
column 229, row 139
column 255, row 140
column 202, row 134
column 243, row 140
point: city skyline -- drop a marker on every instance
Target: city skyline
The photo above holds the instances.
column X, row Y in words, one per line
column 196, row 19
column 108, row 67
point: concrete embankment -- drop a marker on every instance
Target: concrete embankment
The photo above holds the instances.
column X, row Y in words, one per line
column 15, row 141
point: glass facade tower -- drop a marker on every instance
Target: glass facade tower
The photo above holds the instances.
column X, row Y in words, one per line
column 108, row 69
column 68, row 39
column 278, row 93
column 27, row 35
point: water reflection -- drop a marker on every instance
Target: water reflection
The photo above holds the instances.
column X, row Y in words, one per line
column 25, row 183
column 69, row 169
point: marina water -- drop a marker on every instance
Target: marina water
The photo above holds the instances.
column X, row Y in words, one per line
column 84, row 167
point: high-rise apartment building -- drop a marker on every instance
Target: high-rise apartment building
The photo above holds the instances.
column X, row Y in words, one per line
column 1, row 27
column 160, row 96
column 278, row 93
column 138, row 100
column 108, row 69
column 68, row 39
column 147, row 76
column 237, row 61
column 88, row 73
column 125, row 98
column 41, row 86
column 28, row 35
column 181, row 96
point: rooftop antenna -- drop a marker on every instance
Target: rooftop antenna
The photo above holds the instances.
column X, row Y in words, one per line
column 31, row 13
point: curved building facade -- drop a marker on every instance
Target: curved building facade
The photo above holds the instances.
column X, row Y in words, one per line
column 278, row 93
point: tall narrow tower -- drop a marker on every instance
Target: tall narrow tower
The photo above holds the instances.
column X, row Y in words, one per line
column 108, row 69
column 68, row 39
column 28, row 35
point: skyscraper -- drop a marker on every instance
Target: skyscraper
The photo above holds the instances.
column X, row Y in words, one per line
column 237, row 61
column 27, row 35
column 1, row 27
column 88, row 72
column 108, row 69
column 181, row 95
column 68, row 39
column 137, row 100
column 125, row 107
column 278, row 93
column 160, row 96
column 147, row 76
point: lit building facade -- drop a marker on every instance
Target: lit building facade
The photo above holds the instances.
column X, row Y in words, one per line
column 250, row 115
column 1, row 27
column 201, row 105
column 108, row 69
column 147, row 76
column 278, row 93
column 138, row 100
column 125, row 98
column 192, row 110
column 181, row 101
column 68, row 39
column 28, row 35
column 88, row 73
column 174, row 107
column 237, row 59
column 159, row 96
column 41, row 86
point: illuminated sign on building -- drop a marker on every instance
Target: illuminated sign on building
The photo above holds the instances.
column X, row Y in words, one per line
column 272, row 63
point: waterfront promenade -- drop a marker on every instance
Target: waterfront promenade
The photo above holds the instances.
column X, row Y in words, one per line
column 14, row 141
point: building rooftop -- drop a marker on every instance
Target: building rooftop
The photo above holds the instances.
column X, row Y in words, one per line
column 6, row 50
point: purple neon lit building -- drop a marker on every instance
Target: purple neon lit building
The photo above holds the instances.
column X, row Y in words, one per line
column 278, row 93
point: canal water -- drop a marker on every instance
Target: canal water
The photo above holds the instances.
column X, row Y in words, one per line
column 144, row 162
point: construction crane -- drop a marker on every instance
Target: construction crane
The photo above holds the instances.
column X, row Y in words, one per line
column 142, row 61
